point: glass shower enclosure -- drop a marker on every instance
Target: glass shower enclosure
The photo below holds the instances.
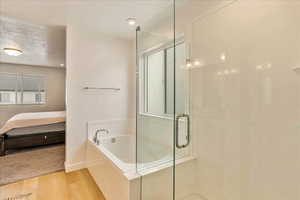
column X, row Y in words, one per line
column 218, row 92
column 163, row 118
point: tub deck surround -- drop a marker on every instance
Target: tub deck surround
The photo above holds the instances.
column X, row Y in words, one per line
column 120, row 150
column 109, row 177
column 112, row 163
column 122, row 160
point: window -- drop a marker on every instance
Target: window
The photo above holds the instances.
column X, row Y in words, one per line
column 157, row 81
column 38, row 97
column 8, row 87
column 6, row 97
column 22, row 89
column 33, row 90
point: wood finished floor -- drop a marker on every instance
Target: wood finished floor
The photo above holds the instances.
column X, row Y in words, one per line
column 78, row 185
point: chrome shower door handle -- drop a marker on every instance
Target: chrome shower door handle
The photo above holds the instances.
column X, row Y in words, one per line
column 188, row 136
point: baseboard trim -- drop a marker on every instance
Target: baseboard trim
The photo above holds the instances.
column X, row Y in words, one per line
column 74, row 167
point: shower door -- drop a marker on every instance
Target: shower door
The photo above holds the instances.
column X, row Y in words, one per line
column 161, row 109
column 244, row 84
column 155, row 118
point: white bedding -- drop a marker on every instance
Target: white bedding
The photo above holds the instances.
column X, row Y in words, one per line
column 33, row 119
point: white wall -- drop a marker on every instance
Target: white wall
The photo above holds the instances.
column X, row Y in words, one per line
column 246, row 121
column 95, row 60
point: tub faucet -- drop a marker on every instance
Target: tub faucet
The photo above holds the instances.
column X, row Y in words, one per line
column 95, row 139
column 104, row 130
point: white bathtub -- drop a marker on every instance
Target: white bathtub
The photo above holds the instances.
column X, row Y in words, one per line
column 112, row 163
column 121, row 151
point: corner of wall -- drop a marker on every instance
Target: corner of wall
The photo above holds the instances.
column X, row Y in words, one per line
column 74, row 167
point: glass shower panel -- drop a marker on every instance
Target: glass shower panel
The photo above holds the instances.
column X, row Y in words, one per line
column 155, row 123
column 155, row 83
column 178, row 74
column 244, row 60
column 181, row 78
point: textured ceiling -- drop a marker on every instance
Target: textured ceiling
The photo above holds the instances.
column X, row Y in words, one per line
column 41, row 45
column 105, row 16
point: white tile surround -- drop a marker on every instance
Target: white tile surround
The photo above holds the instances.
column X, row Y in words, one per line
column 245, row 122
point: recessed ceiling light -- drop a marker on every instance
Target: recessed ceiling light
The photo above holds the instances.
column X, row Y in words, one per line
column 188, row 63
column 223, row 57
column 62, row 65
column 131, row 21
column 197, row 63
column 259, row 67
column 233, row 71
column 13, row 51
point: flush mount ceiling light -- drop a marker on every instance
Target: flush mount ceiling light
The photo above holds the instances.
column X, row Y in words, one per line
column 131, row 21
column 13, row 51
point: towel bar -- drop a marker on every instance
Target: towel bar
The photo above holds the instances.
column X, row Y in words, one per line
column 96, row 88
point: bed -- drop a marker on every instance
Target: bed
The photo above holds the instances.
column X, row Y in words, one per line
column 32, row 129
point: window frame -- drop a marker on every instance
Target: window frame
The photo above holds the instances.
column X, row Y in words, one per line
column 143, row 91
